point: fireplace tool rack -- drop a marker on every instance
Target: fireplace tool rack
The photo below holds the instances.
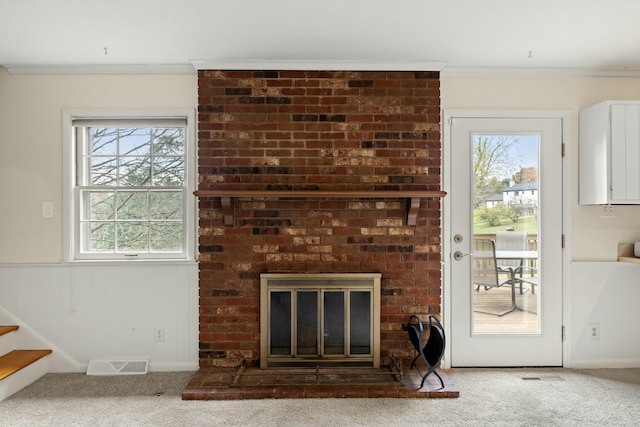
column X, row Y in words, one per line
column 360, row 376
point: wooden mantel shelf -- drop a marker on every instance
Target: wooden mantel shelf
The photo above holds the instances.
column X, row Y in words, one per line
column 226, row 197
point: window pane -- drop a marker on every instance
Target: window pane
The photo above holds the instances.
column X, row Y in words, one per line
column 166, row 205
column 100, row 236
column 134, row 142
column 133, row 236
column 102, row 203
column 168, row 142
column 103, row 141
column 168, row 171
column 135, row 171
column 166, row 236
column 104, row 171
column 132, row 205
column 505, row 193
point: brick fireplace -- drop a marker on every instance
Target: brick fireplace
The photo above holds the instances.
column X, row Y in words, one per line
column 315, row 131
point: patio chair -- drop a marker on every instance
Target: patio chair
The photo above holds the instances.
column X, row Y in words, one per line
column 512, row 241
column 529, row 279
column 486, row 272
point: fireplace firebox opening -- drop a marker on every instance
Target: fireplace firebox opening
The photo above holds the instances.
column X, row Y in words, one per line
column 327, row 319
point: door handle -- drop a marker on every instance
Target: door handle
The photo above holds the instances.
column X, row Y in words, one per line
column 457, row 255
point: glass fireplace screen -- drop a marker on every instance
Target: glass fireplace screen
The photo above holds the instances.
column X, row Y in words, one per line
column 320, row 319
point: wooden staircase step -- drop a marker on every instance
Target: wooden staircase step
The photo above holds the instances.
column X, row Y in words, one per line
column 12, row 362
column 6, row 329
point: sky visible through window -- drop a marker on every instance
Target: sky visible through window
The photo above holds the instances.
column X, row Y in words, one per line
column 518, row 151
column 525, row 151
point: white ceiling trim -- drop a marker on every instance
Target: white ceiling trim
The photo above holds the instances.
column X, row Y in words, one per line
column 542, row 71
column 191, row 68
column 302, row 65
column 316, row 65
column 100, row 69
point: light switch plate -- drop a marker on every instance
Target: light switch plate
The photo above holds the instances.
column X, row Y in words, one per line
column 47, row 209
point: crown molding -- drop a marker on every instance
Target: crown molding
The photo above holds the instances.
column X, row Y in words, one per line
column 542, row 72
column 301, row 65
column 317, row 65
column 99, row 68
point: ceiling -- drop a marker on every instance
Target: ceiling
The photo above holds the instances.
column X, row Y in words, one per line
column 586, row 37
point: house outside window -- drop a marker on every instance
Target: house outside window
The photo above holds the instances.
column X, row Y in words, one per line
column 129, row 185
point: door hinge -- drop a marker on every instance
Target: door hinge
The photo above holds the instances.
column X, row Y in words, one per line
column 562, row 149
column 563, row 333
column 562, row 242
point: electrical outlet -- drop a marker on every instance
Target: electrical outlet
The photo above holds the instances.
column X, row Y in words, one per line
column 608, row 212
column 159, row 334
column 594, row 331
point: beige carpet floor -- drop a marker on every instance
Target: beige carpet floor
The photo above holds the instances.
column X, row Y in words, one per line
column 488, row 397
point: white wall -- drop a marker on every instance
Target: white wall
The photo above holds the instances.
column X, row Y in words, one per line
column 31, row 146
column 607, row 294
column 86, row 310
column 95, row 311
column 596, row 292
column 593, row 238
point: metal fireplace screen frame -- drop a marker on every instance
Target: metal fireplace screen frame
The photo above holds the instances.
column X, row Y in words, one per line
column 305, row 295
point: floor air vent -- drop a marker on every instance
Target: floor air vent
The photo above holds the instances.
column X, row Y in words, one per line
column 543, row 378
column 117, row 367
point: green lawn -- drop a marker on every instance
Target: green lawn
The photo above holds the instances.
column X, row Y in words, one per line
column 525, row 223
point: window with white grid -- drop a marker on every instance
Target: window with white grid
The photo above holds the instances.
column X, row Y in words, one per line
column 131, row 195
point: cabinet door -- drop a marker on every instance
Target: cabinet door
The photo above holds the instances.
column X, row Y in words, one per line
column 625, row 153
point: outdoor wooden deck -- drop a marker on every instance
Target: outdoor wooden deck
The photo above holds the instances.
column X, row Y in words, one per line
column 499, row 299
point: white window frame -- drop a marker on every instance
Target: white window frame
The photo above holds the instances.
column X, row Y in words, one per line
column 71, row 202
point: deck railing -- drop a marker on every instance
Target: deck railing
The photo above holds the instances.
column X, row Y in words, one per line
column 532, row 245
column 532, row 240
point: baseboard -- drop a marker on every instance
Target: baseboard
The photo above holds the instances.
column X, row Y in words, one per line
column 605, row 364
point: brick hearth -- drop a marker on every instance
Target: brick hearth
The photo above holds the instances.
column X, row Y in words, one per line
column 218, row 384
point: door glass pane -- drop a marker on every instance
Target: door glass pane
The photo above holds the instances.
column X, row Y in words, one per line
column 307, row 323
column 334, row 323
column 360, row 322
column 280, row 323
column 505, row 200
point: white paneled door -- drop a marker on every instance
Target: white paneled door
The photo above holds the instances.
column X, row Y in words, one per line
column 503, row 222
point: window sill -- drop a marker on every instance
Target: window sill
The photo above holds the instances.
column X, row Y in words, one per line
column 167, row 261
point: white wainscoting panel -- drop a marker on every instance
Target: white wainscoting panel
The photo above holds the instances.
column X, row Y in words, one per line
column 608, row 294
column 95, row 311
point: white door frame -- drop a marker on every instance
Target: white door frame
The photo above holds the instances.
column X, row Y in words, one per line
column 567, row 202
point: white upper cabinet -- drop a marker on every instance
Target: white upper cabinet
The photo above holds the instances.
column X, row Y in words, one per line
column 609, row 150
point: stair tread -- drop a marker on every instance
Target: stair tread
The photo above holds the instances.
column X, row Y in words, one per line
column 5, row 329
column 13, row 361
